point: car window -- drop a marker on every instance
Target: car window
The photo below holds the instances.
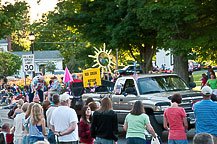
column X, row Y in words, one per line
column 161, row 84
column 129, row 83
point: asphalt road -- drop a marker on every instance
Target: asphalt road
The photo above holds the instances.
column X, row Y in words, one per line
column 122, row 139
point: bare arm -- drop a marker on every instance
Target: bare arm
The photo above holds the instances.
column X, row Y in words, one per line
column 150, row 129
column 43, row 126
column 185, row 123
column 165, row 123
column 125, row 126
column 71, row 128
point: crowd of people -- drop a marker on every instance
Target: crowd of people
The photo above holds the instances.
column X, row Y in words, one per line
column 42, row 113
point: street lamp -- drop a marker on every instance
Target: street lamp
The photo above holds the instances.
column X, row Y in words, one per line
column 32, row 38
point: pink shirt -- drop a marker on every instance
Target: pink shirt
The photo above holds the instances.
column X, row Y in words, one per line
column 175, row 117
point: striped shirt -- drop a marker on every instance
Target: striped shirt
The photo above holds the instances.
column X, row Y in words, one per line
column 206, row 117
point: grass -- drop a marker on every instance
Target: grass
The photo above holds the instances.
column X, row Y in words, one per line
column 197, row 76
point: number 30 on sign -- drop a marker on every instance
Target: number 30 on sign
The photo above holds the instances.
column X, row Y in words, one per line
column 28, row 63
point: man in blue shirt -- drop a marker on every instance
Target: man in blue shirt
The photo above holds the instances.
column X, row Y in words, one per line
column 206, row 114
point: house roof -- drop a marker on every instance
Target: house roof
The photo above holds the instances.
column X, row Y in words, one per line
column 41, row 54
column 3, row 40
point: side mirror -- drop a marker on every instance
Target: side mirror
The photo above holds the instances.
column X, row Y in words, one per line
column 130, row 90
column 192, row 85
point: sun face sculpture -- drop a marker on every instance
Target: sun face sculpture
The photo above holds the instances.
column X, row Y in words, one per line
column 103, row 59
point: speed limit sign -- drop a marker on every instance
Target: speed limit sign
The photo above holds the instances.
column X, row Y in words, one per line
column 28, row 63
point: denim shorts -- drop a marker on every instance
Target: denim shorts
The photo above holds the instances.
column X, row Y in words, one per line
column 174, row 141
column 135, row 140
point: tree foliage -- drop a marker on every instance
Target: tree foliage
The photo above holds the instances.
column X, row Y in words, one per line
column 10, row 64
column 55, row 36
column 113, row 22
column 10, row 17
column 186, row 27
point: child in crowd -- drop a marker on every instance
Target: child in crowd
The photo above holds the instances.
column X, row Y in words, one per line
column 204, row 80
column 37, row 124
column 18, row 123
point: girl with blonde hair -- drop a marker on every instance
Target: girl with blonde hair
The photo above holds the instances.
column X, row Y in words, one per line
column 37, row 124
column 18, row 110
column 104, row 127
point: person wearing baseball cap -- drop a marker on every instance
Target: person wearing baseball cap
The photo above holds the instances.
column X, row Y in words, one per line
column 64, row 121
column 205, row 113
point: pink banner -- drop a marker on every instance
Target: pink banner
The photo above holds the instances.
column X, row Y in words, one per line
column 67, row 76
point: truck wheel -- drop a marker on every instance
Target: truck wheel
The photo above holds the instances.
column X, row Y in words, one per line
column 157, row 127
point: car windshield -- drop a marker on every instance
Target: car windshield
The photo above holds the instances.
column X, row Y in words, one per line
column 161, row 84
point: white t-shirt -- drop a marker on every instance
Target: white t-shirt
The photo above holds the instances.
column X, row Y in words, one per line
column 18, row 123
column 61, row 117
column 49, row 114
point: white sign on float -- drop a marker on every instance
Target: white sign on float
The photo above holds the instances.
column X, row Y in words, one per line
column 28, row 63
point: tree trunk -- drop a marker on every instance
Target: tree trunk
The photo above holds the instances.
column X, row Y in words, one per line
column 146, row 54
column 181, row 67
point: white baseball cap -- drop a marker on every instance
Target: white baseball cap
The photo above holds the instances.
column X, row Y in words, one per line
column 64, row 97
column 206, row 90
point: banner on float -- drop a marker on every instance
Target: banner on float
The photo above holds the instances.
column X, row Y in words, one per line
column 91, row 77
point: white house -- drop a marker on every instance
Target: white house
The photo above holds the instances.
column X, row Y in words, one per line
column 164, row 57
column 41, row 60
column 4, row 44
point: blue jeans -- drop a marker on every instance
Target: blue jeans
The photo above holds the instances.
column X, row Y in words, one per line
column 51, row 137
column 32, row 140
column 26, row 140
column 174, row 141
column 103, row 141
column 135, row 140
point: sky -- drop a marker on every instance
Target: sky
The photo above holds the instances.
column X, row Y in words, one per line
column 37, row 10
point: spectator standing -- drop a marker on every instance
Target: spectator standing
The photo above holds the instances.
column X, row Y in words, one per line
column 37, row 88
column 55, row 87
column 203, row 138
column 176, row 118
column 104, row 126
column 84, row 126
column 136, row 124
column 25, row 93
column 37, row 124
column 205, row 113
column 18, row 123
column 212, row 82
column 64, row 122
column 210, row 70
column 46, row 104
column 18, row 110
column 190, row 76
column 56, row 102
column 204, row 80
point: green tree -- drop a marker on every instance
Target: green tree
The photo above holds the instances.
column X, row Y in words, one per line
column 10, row 64
column 50, row 67
column 112, row 22
column 186, row 27
column 10, row 17
column 54, row 36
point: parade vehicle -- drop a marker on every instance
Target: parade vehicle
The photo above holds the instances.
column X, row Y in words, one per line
column 130, row 69
column 155, row 91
